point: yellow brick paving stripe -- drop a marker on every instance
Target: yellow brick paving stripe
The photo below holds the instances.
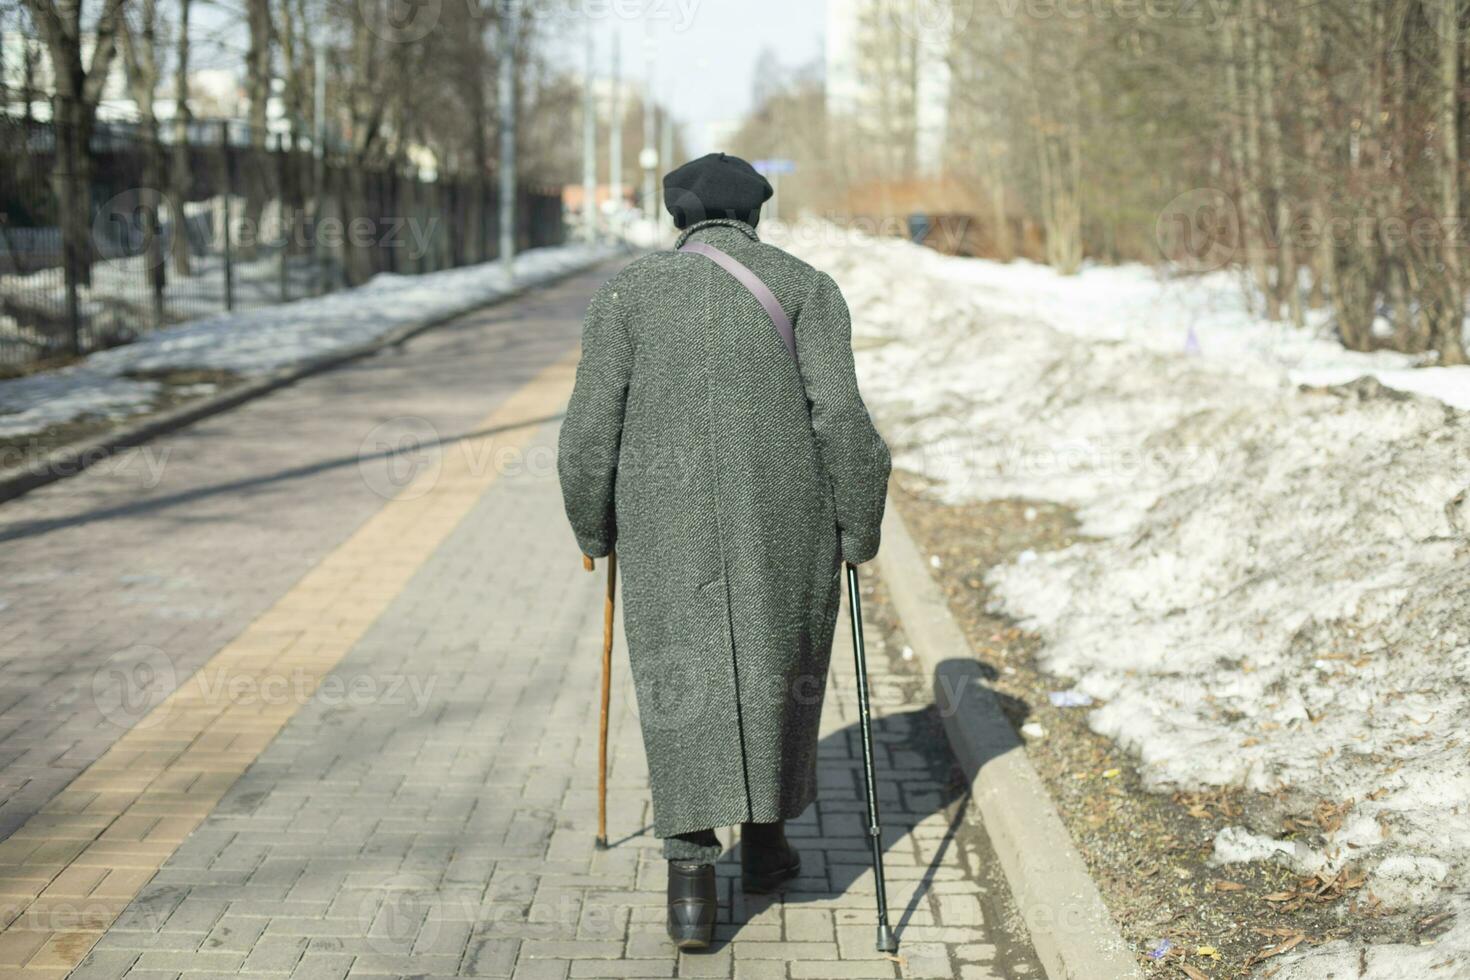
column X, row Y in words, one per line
column 68, row 873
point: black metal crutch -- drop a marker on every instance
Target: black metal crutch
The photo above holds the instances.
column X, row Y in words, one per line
column 887, row 942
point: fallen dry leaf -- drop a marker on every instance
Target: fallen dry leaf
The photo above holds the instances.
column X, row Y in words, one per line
column 1278, row 949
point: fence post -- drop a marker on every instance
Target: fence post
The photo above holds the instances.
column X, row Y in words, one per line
column 383, row 217
column 224, row 149
column 393, row 234
column 151, row 199
column 409, row 203
column 319, row 177
column 73, row 302
column 447, row 198
column 70, row 191
column 483, row 202
column 287, row 226
column 434, row 204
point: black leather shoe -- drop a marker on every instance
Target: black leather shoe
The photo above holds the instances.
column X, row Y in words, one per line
column 767, row 865
column 692, row 904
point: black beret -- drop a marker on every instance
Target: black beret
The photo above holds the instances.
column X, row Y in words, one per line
column 715, row 186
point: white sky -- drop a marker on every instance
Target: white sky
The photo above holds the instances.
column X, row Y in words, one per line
column 706, row 49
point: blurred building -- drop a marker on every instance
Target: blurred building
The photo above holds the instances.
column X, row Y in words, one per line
column 719, row 136
column 25, row 71
column 214, row 93
column 862, row 38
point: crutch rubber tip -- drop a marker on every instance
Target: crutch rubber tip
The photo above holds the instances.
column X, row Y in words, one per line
column 887, row 941
column 602, row 843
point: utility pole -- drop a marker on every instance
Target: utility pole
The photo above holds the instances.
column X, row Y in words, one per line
column 648, row 159
column 319, row 162
column 589, row 144
column 666, row 151
column 4, row 90
column 508, row 138
column 615, row 133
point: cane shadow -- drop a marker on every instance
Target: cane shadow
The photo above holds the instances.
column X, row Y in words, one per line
column 919, row 776
column 640, row 834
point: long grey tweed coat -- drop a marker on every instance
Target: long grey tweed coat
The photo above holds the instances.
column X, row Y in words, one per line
column 732, row 483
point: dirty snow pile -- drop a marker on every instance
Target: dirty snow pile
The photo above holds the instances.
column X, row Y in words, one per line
column 1275, row 588
column 259, row 341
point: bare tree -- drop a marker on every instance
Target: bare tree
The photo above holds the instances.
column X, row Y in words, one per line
column 258, row 58
column 298, row 61
column 790, row 122
column 139, row 30
column 1335, row 128
column 78, row 88
column 178, row 172
column 1449, row 314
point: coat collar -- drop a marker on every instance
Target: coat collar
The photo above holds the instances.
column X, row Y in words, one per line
column 740, row 226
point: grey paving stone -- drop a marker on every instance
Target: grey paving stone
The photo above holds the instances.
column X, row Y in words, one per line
column 489, row 956
column 105, row 964
column 322, row 966
column 607, row 970
column 195, row 914
column 808, row 925
column 541, row 970
column 760, row 970
column 926, row 960
column 231, row 934
column 140, row 940
column 960, row 910
column 715, row 962
column 836, row 970
column 214, row 960
column 785, row 951
column 275, row 954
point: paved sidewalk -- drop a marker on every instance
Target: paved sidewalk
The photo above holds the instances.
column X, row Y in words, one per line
column 376, row 753
column 168, row 551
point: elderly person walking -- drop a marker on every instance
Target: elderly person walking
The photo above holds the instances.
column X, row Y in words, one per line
column 733, row 468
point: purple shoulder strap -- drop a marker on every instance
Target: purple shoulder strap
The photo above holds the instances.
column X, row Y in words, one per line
column 753, row 283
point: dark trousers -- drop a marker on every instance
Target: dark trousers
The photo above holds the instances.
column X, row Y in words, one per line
column 703, row 847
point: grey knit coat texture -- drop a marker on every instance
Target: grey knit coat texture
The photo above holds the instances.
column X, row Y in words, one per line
column 732, row 481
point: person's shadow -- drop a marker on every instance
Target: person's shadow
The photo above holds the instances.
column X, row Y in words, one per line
column 918, row 777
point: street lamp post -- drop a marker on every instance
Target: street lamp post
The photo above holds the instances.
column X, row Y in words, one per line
column 667, row 153
column 589, row 145
column 615, row 134
column 648, row 159
column 319, row 163
column 507, row 92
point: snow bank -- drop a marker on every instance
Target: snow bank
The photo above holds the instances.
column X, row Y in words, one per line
column 1194, row 314
column 258, row 341
column 1278, row 596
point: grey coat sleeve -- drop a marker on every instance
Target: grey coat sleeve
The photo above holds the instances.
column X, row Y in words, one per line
column 853, row 452
column 587, row 452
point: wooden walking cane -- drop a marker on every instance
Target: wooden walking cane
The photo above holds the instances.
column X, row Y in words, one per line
column 607, row 643
column 887, row 942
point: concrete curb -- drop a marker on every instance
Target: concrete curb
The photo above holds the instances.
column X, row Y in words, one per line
column 1070, row 927
column 73, row 458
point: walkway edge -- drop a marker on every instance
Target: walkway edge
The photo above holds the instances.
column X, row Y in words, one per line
column 73, row 458
column 1070, row 927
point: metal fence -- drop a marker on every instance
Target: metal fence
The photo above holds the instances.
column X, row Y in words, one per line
column 178, row 229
